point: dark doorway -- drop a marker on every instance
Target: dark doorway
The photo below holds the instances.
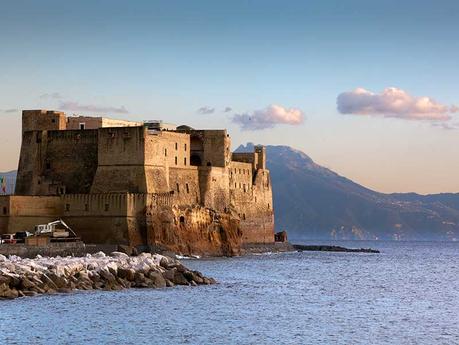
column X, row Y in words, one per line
column 195, row 160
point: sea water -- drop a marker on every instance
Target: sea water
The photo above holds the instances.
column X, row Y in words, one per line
column 408, row 294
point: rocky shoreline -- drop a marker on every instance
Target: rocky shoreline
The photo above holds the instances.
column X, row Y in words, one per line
column 21, row 277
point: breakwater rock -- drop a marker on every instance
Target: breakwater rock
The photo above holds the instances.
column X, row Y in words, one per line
column 320, row 248
column 28, row 277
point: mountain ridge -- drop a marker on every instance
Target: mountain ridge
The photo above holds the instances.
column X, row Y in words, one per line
column 313, row 202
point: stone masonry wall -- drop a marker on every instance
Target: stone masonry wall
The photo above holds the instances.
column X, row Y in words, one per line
column 54, row 162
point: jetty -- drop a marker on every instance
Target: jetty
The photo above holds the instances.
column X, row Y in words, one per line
column 20, row 277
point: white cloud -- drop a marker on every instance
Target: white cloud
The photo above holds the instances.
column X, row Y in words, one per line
column 269, row 117
column 75, row 106
column 206, row 110
column 53, row 95
column 393, row 102
column 9, row 111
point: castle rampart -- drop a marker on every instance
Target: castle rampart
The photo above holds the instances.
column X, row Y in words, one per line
column 137, row 184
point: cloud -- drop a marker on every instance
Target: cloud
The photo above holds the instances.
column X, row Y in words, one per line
column 227, row 109
column 75, row 106
column 446, row 125
column 9, row 111
column 53, row 95
column 268, row 118
column 206, row 110
column 393, row 102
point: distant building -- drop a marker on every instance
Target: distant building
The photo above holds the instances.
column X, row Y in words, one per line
column 139, row 184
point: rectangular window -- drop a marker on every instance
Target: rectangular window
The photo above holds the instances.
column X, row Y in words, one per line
column 82, row 125
column 175, row 160
column 107, row 207
column 165, row 152
column 187, row 188
column 176, row 146
column 184, row 147
column 5, row 210
column 184, row 160
column 48, row 165
column 178, row 188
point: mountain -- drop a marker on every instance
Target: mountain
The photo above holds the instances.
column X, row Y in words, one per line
column 313, row 202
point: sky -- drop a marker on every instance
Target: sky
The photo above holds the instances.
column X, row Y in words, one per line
column 368, row 89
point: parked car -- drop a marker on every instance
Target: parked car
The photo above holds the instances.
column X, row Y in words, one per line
column 8, row 239
column 20, row 236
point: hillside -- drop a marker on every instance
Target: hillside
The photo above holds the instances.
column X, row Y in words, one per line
column 313, row 202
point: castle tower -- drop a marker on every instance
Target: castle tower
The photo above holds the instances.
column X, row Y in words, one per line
column 43, row 120
column 260, row 152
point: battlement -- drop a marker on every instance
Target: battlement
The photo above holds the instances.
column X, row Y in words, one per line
column 49, row 120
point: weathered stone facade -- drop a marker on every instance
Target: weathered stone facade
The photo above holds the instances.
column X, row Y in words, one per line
column 122, row 182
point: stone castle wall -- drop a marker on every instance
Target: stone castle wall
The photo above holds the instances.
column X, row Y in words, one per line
column 115, row 177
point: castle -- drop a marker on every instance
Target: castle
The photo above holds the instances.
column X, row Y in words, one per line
column 139, row 184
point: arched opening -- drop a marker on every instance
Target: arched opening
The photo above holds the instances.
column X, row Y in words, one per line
column 195, row 160
column 182, row 219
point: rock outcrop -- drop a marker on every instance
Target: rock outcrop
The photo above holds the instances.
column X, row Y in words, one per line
column 28, row 277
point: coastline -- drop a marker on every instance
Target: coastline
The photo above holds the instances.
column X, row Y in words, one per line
column 21, row 277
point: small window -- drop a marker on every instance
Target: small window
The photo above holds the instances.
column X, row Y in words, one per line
column 67, row 207
column 53, row 120
column 184, row 146
column 243, row 216
column 176, row 146
column 48, row 165
column 187, row 188
column 5, row 210
column 82, row 126
column 86, row 207
column 165, row 152
column 184, row 161
column 178, row 188
column 176, row 160
column 107, row 207
column 182, row 219
column 235, row 184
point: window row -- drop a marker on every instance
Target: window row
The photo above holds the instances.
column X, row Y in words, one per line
column 240, row 171
column 187, row 188
column 242, row 186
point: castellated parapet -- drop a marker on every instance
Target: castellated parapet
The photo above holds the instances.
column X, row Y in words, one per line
column 136, row 184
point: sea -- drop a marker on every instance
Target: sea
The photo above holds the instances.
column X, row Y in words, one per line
column 407, row 294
